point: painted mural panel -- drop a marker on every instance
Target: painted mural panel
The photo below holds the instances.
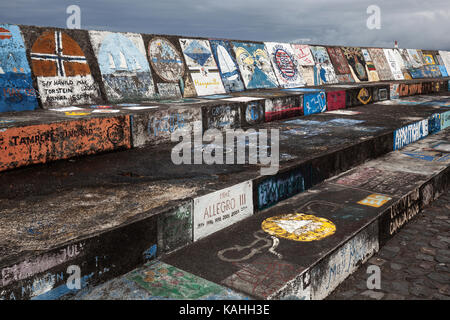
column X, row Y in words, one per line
column 314, row 103
column 303, row 54
column 381, row 64
column 410, row 133
column 415, row 57
column 61, row 66
column 393, row 64
column 356, row 63
column 370, row 66
column 413, row 63
column 403, row 62
column 228, row 67
column 285, row 65
column 340, row 64
column 123, row 64
column 16, row 85
column 168, row 68
column 429, row 57
column 254, row 64
column 445, row 55
column 202, row 66
column 323, row 69
column 336, row 100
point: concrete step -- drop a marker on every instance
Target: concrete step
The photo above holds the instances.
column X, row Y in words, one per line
column 303, row 247
column 42, row 136
column 112, row 212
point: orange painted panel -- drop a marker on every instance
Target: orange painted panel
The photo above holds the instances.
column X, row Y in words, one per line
column 21, row 146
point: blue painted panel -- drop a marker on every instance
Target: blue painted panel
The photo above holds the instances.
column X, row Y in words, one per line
column 16, row 86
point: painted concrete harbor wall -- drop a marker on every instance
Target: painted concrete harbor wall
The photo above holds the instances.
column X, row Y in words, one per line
column 61, row 67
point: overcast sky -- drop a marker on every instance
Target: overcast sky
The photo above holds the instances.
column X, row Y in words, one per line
column 415, row 24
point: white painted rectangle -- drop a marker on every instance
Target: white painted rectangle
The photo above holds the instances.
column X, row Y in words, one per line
column 220, row 209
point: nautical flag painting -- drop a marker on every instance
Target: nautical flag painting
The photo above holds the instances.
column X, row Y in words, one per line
column 285, row 65
column 123, row 65
column 202, row 66
column 228, row 68
column 393, row 64
column 254, row 64
column 16, row 85
column 62, row 71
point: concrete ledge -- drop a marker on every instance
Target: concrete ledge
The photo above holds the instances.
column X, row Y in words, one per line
column 367, row 205
column 30, row 137
column 102, row 207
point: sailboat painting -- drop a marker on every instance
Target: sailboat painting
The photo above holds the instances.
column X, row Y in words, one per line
column 254, row 64
column 123, row 64
column 285, row 65
column 16, row 86
column 202, row 66
column 228, row 68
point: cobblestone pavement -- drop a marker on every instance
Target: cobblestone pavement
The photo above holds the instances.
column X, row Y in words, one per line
column 414, row 264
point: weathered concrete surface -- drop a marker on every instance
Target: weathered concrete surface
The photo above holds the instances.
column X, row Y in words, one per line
column 414, row 264
column 365, row 207
column 93, row 191
column 264, row 258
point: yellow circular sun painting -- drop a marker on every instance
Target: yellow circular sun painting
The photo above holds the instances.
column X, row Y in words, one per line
column 298, row 227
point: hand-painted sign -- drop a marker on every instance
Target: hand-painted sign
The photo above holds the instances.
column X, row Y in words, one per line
column 220, row 209
column 254, row 64
column 393, row 64
column 202, row 66
column 410, row 133
column 62, row 70
column 168, row 65
column 381, row 64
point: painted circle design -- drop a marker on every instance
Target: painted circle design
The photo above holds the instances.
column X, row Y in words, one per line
column 285, row 64
column 165, row 60
column 298, row 227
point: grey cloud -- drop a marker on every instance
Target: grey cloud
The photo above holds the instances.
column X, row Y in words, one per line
column 415, row 24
